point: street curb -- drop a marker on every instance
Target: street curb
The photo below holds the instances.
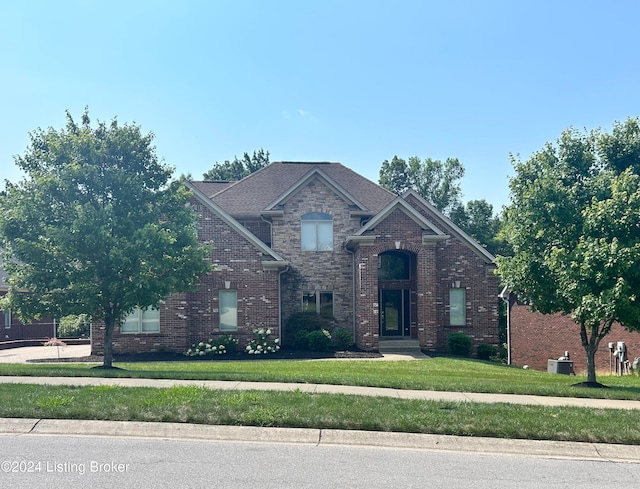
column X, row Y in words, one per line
column 319, row 437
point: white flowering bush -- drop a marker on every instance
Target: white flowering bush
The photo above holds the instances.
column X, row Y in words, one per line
column 262, row 344
column 219, row 346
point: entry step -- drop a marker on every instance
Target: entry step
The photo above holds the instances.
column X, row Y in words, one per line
column 399, row 345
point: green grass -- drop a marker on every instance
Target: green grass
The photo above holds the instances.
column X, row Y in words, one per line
column 444, row 374
column 297, row 409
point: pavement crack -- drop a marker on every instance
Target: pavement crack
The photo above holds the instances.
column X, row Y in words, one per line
column 34, row 426
column 319, row 437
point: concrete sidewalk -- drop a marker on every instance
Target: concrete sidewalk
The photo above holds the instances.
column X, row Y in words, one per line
column 478, row 445
column 333, row 389
column 536, row 448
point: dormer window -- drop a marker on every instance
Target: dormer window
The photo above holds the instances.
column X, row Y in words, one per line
column 316, row 232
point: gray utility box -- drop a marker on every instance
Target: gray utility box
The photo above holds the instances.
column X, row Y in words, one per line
column 560, row 367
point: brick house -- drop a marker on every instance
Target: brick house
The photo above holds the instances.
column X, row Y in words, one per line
column 297, row 237
column 536, row 338
column 12, row 329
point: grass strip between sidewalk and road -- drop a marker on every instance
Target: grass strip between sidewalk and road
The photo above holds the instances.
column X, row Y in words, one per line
column 194, row 404
column 441, row 374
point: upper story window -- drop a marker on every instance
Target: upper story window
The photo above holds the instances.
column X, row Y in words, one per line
column 316, row 232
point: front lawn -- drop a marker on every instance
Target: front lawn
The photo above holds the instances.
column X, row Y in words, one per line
column 444, row 374
column 321, row 411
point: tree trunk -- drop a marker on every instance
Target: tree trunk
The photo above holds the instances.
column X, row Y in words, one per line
column 109, row 325
column 591, row 338
column 591, row 364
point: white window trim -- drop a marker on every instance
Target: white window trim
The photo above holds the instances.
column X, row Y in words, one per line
column 7, row 319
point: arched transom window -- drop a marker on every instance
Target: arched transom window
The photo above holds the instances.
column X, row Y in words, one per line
column 316, row 232
column 394, row 265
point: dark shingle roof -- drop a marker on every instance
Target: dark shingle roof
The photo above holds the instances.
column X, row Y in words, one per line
column 253, row 194
column 209, row 187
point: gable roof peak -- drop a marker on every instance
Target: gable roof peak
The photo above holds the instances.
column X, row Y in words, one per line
column 308, row 162
column 452, row 227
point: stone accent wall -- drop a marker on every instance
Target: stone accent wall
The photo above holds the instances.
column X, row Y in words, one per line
column 536, row 338
column 316, row 270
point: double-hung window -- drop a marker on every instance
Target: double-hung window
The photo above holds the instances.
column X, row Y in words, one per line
column 7, row 319
column 142, row 321
column 316, row 232
column 318, row 301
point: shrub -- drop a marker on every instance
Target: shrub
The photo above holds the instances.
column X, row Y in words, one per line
column 486, row 352
column 459, row 344
column 76, row 326
column 341, row 339
column 301, row 340
column 304, row 321
column 227, row 342
column 262, row 343
column 319, row 340
column 220, row 346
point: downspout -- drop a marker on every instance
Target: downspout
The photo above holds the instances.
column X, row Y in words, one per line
column 280, row 272
column 353, row 292
column 505, row 295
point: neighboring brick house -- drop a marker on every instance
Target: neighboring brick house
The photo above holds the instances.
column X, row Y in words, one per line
column 536, row 338
column 318, row 236
column 11, row 328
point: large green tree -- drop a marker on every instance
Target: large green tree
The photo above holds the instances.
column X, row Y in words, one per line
column 574, row 224
column 477, row 219
column 96, row 226
column 238, row 168
column 436, row 181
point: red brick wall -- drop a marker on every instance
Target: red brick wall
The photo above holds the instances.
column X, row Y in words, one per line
column 194, row 316
column 438, row 266
column 536, row 337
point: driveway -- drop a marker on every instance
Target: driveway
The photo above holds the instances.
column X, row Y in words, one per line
column 25, row 353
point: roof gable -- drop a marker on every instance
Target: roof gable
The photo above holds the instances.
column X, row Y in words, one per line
column 316, row 173
column 400, row 203
column 450, row 227
column 262, row 190
column 230, row 221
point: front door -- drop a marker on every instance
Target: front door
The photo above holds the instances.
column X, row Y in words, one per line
column 394, row 312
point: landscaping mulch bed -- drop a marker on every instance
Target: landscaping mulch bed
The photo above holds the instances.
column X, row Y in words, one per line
column 178, row 357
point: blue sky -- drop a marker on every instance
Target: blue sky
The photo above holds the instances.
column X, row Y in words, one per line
column 348, row 81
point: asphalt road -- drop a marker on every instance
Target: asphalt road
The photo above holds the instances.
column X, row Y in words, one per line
column 36, row 461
